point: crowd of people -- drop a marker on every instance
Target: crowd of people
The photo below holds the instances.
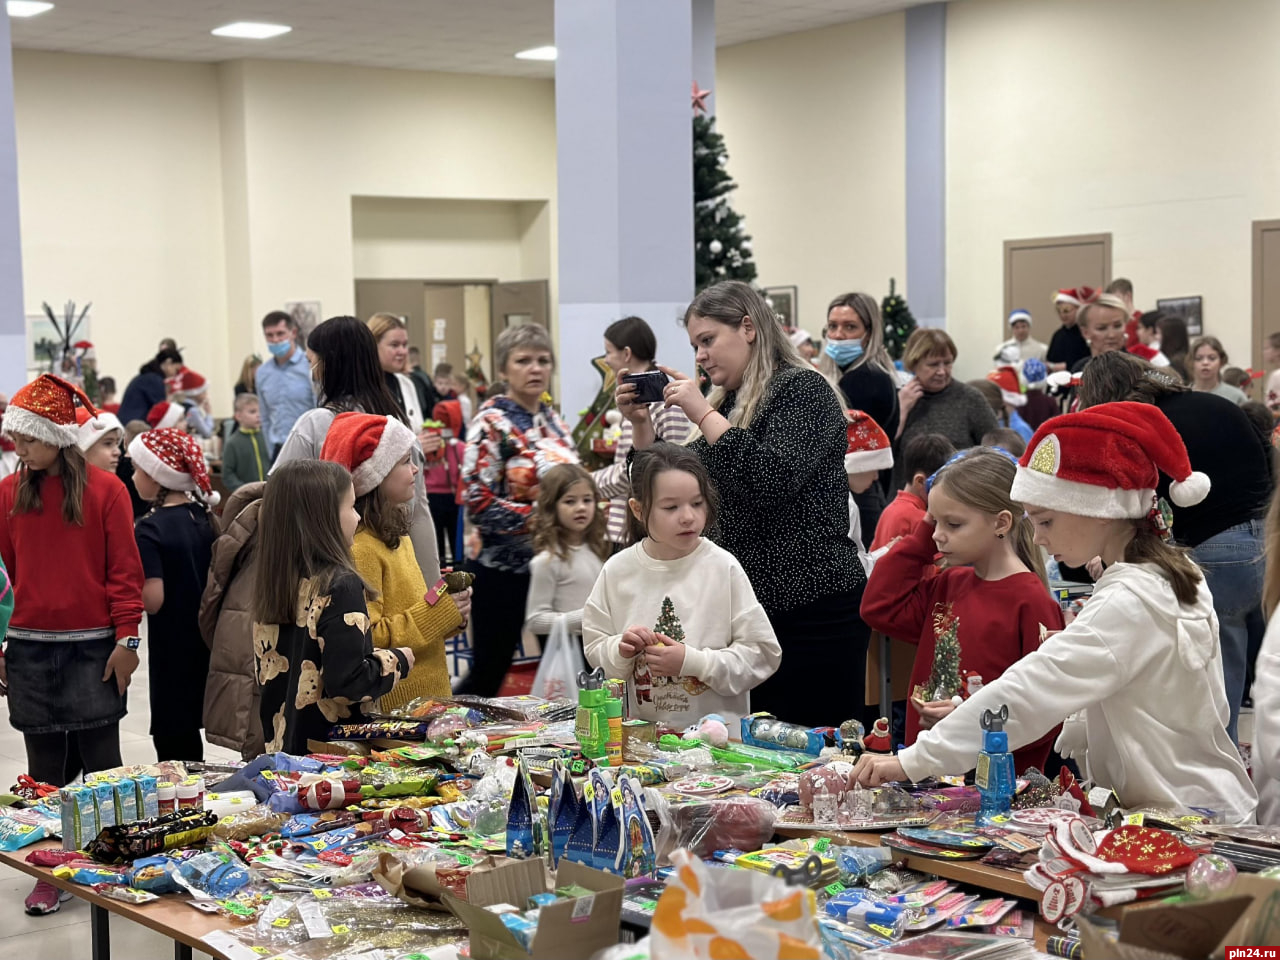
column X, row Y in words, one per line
column 748, row 536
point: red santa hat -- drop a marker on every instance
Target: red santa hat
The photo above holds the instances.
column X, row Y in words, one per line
column 94, row 428
column 1077, row 295
column 165, row 414
column 1105, row 462
column 46, row 409
column 174, row 460
column 1010, row 384
column 367, row 445
column 189, row 383
column 867, row 447
column 1145, row 850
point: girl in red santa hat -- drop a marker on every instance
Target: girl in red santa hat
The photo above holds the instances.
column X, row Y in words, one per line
column 175, row 541
column 1137, row 673
column 65, row 666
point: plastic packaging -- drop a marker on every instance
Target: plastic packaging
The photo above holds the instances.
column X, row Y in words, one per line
column 860, row 909
column 213, row 874
column 146, row 837
column 705, row 826
column 613, row 746
column 166, row 798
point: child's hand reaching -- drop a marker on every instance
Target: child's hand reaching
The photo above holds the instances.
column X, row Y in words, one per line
column 665, row 657
column 635, row 640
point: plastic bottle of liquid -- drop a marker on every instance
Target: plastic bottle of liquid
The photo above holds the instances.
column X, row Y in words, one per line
column 613, row 746
column 995, row 777
column 591, row 723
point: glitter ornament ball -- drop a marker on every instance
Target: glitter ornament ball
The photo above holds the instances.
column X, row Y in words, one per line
column 1208, row 875
column 715, row 246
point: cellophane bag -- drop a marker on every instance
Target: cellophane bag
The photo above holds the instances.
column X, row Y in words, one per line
column 705, row 913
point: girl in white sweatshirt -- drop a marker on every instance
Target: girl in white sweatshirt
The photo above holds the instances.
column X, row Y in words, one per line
column 674, row 614
column 1137, row 674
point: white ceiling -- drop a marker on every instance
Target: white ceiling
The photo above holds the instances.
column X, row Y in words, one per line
column 458, row 36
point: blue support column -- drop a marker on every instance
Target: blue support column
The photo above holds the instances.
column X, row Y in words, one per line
column 624, row 146
column 926, row 174
column 13, row 324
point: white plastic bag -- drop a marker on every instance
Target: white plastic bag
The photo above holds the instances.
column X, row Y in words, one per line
column 557, row 676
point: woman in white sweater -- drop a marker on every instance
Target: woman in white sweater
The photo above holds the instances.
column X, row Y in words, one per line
column 1137, row 676
column 711, row 641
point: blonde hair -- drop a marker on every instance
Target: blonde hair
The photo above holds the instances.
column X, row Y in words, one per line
column 248, row 370
column 730, row 303
column 546, row 526
column 380, row 324
column 1103, row 300
column 874, row 353
column 926, row 342
column 982, row 479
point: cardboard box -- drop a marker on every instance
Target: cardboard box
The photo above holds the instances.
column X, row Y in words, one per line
column 1247, row 914
column 567, row 929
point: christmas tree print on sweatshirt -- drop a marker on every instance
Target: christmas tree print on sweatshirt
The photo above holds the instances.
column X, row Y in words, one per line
column 667, row 694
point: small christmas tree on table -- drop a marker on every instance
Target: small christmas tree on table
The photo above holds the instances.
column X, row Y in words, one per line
column 944, row 681
column 721, row 249
column 669, row 624
column 898, row 322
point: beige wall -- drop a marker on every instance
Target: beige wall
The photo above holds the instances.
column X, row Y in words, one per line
column 813, row 123
column 121, row 201
column 1154, row 120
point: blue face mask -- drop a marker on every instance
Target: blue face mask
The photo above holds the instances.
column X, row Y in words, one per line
column 280, row 349
column 844, row 352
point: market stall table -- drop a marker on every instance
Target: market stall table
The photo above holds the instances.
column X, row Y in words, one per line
column 169, row 916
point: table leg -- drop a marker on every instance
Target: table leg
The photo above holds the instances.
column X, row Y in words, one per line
column 100, row 927
column 181, row 951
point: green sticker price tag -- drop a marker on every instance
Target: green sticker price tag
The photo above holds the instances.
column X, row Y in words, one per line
column 464, row 861
column 822, row 844
column 834, row 888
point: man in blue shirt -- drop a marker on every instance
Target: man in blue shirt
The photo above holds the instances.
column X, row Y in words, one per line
column 283, row 383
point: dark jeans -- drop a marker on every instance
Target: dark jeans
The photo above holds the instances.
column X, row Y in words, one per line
column 822, row 678
column 497, row 617
column 444, row 513
column 58, row 758
column 179, row 745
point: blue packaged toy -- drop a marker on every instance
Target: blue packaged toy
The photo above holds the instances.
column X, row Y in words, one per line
column 995, row 777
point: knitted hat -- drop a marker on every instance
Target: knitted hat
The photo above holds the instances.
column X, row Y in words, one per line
column 1010, row 384
column 46, row 409
column 1034, row 372
column 92, row 429
column 165, row 414
column 172, row 459
column 867, row 447
column 1076, row 295
column 1105, row 462
column 1019, row 315
column 369, row 446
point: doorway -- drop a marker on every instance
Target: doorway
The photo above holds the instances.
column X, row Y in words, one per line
column 1034, row 269
column 525, row 301
column 445, row 320
column 1266, row 287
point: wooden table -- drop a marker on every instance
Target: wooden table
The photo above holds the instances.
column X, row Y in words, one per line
column 169, row 915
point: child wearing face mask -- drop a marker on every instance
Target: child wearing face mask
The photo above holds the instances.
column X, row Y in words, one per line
column 983, row 613
column 674, row 614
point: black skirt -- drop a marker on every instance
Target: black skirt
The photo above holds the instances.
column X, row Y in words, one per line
column 56, row 686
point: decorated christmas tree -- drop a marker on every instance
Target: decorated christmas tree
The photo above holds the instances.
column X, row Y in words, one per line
column 944, row 681
column 669, row 624
column 898, row 322
column 475, row 373
column 721, row 250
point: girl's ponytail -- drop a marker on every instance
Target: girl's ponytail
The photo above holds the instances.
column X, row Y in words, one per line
column 1024, row 544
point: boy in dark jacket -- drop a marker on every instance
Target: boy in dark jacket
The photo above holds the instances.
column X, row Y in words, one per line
column 246, row 458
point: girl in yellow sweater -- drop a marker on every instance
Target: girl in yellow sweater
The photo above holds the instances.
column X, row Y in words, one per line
column 403, row 612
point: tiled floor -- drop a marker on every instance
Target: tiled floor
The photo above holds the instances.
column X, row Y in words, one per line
column 66, row 933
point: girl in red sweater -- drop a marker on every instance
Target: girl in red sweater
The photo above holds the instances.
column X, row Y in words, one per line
column 66, row 537
column 981, row 614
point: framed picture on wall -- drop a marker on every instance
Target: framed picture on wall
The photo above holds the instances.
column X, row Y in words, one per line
column 784, row 303
column 1190, row 309
column 306, row 314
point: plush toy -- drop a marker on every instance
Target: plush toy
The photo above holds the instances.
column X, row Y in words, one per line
column 878, row 741
column 711, row 730
column 613, row 432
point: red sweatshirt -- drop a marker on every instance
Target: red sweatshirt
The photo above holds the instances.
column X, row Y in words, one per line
column 67, row 577
column 899, row 518
column 999, row 620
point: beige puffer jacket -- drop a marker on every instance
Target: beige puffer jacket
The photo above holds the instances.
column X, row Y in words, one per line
column 231, row 717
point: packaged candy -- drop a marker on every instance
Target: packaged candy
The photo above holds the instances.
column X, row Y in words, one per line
column 637, row 855
column 90, row 873
column 766, row 730
column 305, row 824
column 329, row 794
column 212, row 874
column 127, row 894
column 116, row 844
column 379, row 730
column 253, row 822
column 152, row 874
column 20, row 827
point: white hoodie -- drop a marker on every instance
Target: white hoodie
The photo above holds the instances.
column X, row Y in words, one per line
column 1147, row 670
column 1266, row 725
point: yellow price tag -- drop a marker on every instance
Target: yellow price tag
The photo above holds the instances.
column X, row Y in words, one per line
column 341, row 928
column 261, row 951
column 322, row 894
column 280, row 922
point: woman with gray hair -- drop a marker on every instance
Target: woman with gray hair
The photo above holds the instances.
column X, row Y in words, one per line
column 773, row 439
column 512, row 442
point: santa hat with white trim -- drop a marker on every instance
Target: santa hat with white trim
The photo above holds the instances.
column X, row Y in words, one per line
column 174, row 460
column 1105, row 462
column 165, row 414
column 1077, row 295
column 367, row 445
column 1010, row 384
column 867, row 447
column 46, row 409
column 188, row 384
column 94, row 428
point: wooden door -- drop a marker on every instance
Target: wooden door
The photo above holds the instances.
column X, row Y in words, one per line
column 1266, row 286
column 1034, row 269
column 524, row 301
column 403, row 298
column 443, row 329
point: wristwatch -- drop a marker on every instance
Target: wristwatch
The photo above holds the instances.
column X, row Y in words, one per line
column 133, row 643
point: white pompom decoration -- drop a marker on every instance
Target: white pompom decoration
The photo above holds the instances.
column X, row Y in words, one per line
column 1189, row 492
column 715, row 246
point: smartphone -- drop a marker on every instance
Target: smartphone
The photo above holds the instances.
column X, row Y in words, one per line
column 648, row 385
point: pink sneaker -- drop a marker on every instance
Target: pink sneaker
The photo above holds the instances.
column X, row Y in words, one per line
column 45, row 898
